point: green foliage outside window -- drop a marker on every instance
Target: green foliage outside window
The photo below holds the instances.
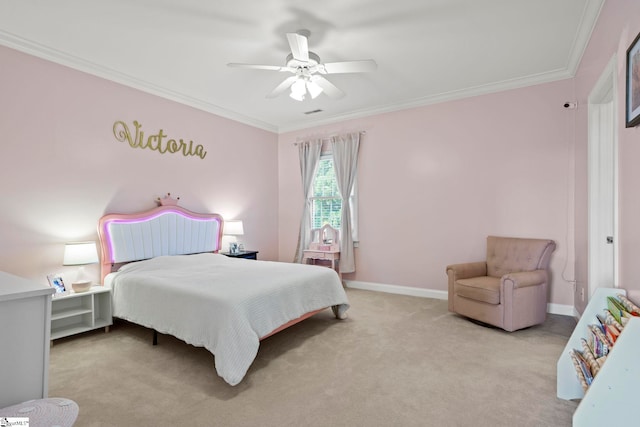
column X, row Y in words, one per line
column 326, row 202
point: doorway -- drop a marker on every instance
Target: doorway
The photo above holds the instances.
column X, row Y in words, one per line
column 603, row 181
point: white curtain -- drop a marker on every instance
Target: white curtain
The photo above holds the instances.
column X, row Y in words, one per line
column 345, row 161
column 309, row 153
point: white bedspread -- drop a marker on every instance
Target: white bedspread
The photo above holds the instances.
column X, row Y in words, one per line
column 223, row 304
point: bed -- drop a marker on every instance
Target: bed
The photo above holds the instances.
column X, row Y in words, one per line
column 166, row 274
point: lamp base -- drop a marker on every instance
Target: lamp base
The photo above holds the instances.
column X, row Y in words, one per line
column 81, row 286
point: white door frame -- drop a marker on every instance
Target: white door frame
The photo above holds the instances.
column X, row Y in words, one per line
column 603, row 167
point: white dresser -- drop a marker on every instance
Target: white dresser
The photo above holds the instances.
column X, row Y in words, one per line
column 25, row 325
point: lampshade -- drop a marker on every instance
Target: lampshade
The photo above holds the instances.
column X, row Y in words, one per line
column 80, row 253
column 233, row 228
column 313, row 88
column 298, row 89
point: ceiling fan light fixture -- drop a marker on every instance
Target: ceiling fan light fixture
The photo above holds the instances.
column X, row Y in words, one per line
column 306, row 69
column 314, row 89
column 298, row 90
column 297, row 96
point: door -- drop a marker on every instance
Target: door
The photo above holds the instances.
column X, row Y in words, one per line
column 603, row 172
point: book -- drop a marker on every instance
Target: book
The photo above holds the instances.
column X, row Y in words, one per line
column 598, row 341
column 616, row 309
column 629, row 305
column 608, row 318
column 594, row 366
column 611, row 332
column 582, row 368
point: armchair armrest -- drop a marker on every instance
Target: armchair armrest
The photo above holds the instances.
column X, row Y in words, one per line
column 524, row 296
column 467, row 270
column 524, row 279
column 463, row 271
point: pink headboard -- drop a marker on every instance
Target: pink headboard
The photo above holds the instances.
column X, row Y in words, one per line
column 165, row 230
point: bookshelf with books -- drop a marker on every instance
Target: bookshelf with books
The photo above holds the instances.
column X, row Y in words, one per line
column 610, row 396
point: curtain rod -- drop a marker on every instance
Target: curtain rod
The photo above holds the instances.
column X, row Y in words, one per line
column 362, row 132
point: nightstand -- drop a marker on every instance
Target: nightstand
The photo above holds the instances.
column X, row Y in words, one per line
column 243, row 254
column 80, row 312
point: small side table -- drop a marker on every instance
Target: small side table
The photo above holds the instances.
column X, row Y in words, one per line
column 243, row 254
column 315, row 255
column 74, row 313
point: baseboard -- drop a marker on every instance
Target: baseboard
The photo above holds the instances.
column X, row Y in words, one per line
column 395, row 289
column 562, row 309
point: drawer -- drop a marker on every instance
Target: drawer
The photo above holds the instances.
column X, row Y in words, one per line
column 321, row 255
column 314, row 255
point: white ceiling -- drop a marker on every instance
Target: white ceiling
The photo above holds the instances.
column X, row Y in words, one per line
column 427, row 50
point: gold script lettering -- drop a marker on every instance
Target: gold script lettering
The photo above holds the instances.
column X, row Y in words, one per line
column 172, row 145
column 155, row 142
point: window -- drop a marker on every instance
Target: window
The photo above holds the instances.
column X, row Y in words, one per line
column 326, row 204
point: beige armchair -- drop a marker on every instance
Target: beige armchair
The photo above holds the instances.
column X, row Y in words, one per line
column 509, row 289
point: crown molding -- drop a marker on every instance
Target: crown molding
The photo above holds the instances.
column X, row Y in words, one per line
column 588, row 21
column 62, row 58
column 434, row 99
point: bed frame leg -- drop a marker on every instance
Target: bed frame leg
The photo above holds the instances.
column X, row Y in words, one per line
column 155, row 337
column 337, row 313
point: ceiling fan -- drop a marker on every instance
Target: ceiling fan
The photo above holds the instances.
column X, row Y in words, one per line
column 308, row 70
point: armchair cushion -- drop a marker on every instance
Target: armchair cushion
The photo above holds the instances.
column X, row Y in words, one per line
column 512, row 255
column 483, row 288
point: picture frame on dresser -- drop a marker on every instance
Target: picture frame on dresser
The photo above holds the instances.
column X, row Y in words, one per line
column 56, row 282
column 632, row 113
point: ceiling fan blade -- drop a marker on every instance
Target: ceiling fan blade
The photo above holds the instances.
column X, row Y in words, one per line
column 260, row 67
column 362, row 66
column 286, row 84
column 299, row 46
column 327, row 87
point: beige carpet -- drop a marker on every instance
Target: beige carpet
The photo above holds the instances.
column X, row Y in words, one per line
column 397, row 361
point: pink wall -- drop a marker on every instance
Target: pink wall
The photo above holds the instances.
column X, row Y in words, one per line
column 62, row 168
column 617, row 26
column 435, row 181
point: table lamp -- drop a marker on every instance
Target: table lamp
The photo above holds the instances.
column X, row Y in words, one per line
column 233, row 228
column 81, row 254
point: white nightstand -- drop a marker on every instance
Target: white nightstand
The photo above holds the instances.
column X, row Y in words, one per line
column 81, row 312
